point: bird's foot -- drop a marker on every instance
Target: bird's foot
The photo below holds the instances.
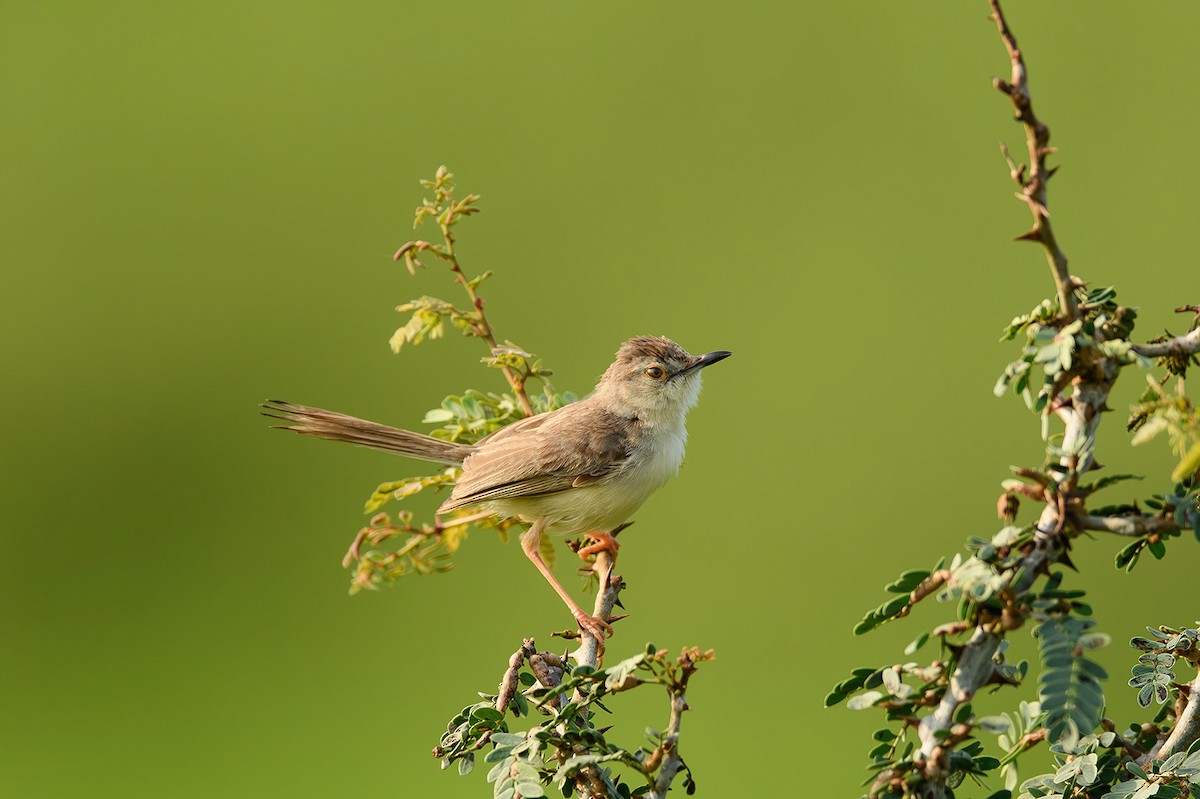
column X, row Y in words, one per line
column 596, row 627
column 601, row 542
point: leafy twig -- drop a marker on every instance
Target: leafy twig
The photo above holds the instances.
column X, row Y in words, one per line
column 447, row 211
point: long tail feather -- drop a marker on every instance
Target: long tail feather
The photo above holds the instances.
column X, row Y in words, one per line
column 340, row 427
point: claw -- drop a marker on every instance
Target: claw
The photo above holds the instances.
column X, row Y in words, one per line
column 602, row 542
column 593, row 626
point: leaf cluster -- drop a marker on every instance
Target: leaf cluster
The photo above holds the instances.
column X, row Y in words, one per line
column 1152, row 675
column 1058, row 351
column 565, row 747
column 1097, row 768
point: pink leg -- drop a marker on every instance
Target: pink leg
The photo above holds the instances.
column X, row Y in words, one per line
column 530, row 542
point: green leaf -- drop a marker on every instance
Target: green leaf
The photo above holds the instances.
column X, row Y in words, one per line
column 834, row 697
column 864, row 700
column 916, row 643
column 438, row 416
column 506, row 739
column 906, row 582
column 1094, row 640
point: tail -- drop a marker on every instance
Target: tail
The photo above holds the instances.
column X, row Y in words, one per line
column 339, row 427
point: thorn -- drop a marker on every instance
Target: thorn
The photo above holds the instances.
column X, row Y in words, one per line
column 615, row 619
column 1033, row 234
column 620, row 528
column 1050, row 172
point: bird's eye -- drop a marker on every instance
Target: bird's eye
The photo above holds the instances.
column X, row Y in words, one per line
column 656, row 372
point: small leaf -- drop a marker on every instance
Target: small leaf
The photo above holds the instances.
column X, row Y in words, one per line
column 864, row 700
column 916, row 643
column 997, row 725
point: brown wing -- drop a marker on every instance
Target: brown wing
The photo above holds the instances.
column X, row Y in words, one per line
column 542, row 455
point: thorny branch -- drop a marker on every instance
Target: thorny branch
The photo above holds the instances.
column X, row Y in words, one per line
column 1081, row 413
column 608, row 597
column 550, row 670
column 1076, row 396
column 1033, row 186
column 671, row 761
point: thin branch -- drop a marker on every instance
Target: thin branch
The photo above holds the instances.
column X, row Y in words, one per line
column 1188, row 344
column 1126, row 525
column 484, row 328
column 672, row 762
column 1033, row 187
column 443, row 188
column 607, row 595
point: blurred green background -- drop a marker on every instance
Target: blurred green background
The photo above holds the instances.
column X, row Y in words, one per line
column 200, row 202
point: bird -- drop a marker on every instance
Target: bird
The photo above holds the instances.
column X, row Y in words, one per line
column 584, row 468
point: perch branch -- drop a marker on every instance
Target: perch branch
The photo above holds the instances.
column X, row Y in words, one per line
column 1126, row 525
column 608, row 594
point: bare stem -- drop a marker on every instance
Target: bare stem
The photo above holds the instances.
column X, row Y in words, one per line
column 672, row 762
column 1126, row 525
column 483, row 328
column 1188, row 344
column 1033, row 188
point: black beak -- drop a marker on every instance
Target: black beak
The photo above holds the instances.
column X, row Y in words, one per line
column 707, row 359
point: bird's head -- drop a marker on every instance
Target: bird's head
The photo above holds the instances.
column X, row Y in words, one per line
column 655, row 379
